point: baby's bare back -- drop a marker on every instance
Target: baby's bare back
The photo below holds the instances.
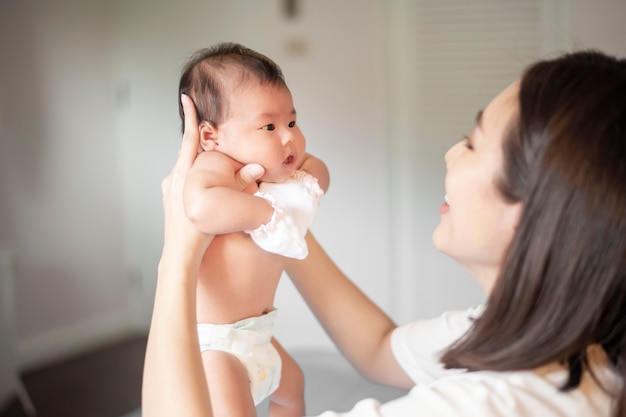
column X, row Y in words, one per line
column 237, row 280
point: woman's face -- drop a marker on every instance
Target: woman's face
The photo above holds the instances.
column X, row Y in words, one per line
column 477, row 224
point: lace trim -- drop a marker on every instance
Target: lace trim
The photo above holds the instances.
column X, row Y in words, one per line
column 277, row 215
column 309, row 182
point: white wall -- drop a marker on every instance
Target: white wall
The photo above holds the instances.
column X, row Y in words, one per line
column 336, row 75
column 60, row 175
column 89, row 126
column 600, row 24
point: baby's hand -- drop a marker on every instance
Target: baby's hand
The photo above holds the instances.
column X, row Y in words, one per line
column 295, row 203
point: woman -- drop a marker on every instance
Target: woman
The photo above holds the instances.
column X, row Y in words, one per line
column 535, row 211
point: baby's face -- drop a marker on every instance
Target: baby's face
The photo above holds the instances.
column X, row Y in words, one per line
column 261, row 128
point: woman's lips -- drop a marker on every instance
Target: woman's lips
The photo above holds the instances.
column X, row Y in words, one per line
column 445, row 207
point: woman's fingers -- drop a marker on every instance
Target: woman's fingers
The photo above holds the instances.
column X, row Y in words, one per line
column 248, row 174
column 171, row 186
column 179, row 231
column 191, row 135
column 191, row 141
column 189, row 147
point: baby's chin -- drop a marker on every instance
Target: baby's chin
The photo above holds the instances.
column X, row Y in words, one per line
column 275, row 177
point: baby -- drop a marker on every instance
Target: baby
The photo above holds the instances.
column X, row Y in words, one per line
column 246, row 115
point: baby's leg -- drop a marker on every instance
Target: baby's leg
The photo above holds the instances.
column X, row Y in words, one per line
column 288, row 399
column 229, row 386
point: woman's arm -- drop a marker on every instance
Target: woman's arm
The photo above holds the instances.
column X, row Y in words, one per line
column 173, row 378
column 359, row 328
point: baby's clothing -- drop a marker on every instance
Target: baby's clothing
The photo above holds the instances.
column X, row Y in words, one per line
column 295, row 203
column 250, row 341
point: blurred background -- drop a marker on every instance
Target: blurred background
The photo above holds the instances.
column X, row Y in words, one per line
column 89, row 126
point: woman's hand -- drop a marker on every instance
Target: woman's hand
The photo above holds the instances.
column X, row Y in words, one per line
column 182, row 241
column 173, row 379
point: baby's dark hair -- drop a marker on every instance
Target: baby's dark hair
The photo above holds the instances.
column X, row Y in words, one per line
column 211, row 73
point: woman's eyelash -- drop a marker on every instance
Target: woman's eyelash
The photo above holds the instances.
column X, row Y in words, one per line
column 468, row 144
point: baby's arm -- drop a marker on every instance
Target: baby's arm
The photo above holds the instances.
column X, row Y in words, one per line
column 213, row 201
column 317, row 168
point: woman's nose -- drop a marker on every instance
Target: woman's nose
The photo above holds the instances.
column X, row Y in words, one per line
column 452, row 153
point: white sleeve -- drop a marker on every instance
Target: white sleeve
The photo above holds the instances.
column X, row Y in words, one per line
column 452, row 399
column 420, row 402
column 492, row 394
column 523, row 393
column 417, row 346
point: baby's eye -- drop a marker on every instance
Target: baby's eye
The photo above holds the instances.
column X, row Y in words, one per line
column 292, row 124
column 269, row 127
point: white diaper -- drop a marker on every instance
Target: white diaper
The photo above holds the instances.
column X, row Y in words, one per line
column 250, row 341
column 295, row 203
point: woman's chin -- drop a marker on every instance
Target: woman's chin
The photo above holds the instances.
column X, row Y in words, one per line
column 442, row 242
column 438, row 239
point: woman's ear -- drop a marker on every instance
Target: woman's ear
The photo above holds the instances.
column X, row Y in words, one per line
column 208, row 136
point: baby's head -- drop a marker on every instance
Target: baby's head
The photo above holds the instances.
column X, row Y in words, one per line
column 245, row 109
column 211, row 74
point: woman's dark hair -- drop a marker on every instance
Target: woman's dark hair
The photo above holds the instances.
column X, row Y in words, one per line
column 212, row 73
column 562, row 287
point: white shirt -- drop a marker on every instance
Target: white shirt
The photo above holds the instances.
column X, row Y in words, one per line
column 443, row 393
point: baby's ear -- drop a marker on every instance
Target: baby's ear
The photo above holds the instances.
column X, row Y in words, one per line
column 208, row 136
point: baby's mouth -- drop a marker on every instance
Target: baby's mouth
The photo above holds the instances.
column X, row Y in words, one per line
column 289, row 160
